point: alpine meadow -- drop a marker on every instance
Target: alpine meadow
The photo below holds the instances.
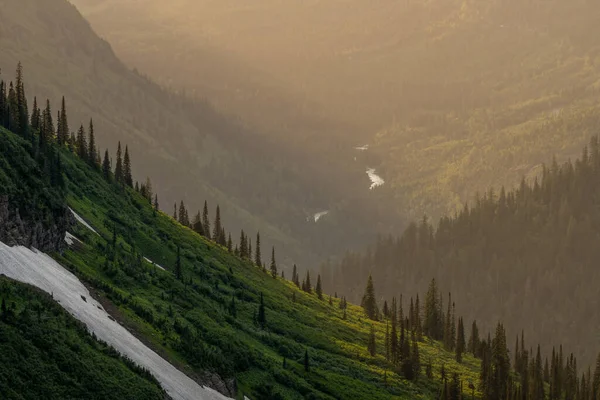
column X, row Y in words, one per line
column 296, row 200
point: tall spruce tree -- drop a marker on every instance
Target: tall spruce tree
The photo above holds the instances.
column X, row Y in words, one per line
column 369, row 302
column 63, row 131
column 319, row 288
column 92, row 151
column 460, row 340
column 217, row 225
column 273, row 264
column 106, row 166
column 82, row 148
column 127, row 177
column 371, row 344
column 257, row 254
column 206, row 221
column 119, row 174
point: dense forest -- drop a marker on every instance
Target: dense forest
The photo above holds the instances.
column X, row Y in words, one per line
column 526, row 256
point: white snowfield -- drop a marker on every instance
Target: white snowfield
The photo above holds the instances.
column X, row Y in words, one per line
column 376, row 180
column 38, row 269
column 82, row 221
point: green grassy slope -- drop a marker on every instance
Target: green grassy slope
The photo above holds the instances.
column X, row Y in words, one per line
column 45, row 353
column 192, row 323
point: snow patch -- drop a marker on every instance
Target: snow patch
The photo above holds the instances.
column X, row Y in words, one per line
column 153, row 263
column 376, row 180
column 362, row 148
column 70, row 239
column 320, row 215
column 38, row 269
column 82, row 221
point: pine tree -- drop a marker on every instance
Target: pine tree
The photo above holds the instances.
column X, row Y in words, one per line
column 175, row 217
column 156, row 206
column 197, row 224
column 106, row 166
column 307, row 284
column 273, row 264
column 460, row 340
column 206, row 221
column 82, row 148
column 229, row 244
column 371, row 345
column 262, row 316
column 295, row 277
column 394, row 348
column 92, row 151
column 181, row 214
column 369, row 303
column 217, row 225
column 35, row 112
column 119, row 176
column 387, row 339
column 62, row 133
column 127, row 177
column 319, row 288
column 432, row 311
column 22, row 120
column 257, row 255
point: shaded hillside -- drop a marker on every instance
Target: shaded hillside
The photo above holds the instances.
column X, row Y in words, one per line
column 453, row 96
column 526, row 256
column 46, row 353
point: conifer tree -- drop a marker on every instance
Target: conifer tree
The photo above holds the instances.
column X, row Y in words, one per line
column 119, row 174
column 319, row 288
column 206, row 221
column 372, row 345
column 369, row 302
column 106, row 166
column 295, row 277
column 127, row 177
column 460, row 340
column 418, row 324
column 387, row 344
column 257, row 255
column 197, row 224
column 35, row 112
column 229, row 244
column 175, row 212
column 62, row 134
column 92, row 151
column 307, row 284
column 432, row 311
column 156, row 206
column 217, row 225
column 82, row 148
column 273, row 264
column 22, row 120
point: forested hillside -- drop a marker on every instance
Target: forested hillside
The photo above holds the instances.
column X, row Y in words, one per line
column 526, row 256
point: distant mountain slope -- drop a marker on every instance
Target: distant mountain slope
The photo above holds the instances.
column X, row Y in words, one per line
column 191, row 152
column 452, row 95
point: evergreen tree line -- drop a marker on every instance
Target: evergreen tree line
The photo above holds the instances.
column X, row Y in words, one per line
column 530, row 376
column 533, row 249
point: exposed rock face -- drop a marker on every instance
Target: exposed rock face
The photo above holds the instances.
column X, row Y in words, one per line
column 45, row 234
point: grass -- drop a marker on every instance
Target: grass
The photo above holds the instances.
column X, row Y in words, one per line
column 190, row 321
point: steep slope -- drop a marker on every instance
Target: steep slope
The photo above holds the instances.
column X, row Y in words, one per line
column 453, row 96
column 191, row 152
column 221, row 320
column 46, row 353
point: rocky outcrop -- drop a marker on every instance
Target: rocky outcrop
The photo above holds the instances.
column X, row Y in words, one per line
column 43, row 232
